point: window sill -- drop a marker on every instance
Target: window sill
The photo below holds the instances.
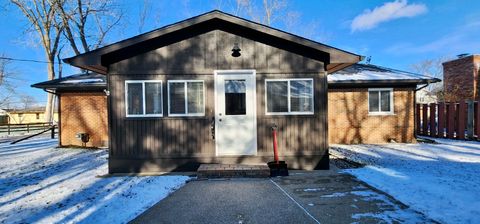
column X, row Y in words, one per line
column 289, row 113
column 382, row 114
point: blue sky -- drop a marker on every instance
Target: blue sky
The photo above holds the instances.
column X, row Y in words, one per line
column 395, row 34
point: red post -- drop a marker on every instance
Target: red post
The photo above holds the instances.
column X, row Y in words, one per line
column 441, row 120
column 433, row 123
column 462, row 108
column 450, row 120
column 275, row 150
column 425, row 119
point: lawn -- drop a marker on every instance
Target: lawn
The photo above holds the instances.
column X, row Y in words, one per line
column 440, row 180
column 43, row 184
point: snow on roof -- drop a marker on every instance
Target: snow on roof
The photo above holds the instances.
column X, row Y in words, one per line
column 364, row 72
column 83, row 81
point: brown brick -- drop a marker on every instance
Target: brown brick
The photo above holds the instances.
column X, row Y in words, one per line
column 83, row 112
column 350, row 123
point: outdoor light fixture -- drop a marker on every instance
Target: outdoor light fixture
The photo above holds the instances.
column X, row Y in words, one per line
column 236, row 50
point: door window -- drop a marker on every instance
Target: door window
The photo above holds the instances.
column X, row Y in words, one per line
column 235, row 102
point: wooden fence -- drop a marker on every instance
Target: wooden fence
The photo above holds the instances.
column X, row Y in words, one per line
column 459, row 120
column 32, row 127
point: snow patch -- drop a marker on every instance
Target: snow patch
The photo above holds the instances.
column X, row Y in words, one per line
column 439, row 180
column 43, row 184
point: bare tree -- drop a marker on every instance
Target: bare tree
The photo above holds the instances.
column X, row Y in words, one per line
column 432, row 68
column 27, row 101
column 42, row 15
column 7, row 89
column 87, row 22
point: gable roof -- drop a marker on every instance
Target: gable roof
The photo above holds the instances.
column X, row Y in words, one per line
column 374, row 74
column 98, row 59
column 86, row 81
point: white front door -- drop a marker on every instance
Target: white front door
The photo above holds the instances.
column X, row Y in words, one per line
column 235, row 113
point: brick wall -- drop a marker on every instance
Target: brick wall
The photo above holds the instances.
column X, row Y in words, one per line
column 461, row 78
column 350, row 123
column 83, row 112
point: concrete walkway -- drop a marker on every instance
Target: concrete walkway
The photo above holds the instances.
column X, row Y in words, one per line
column 303, row 197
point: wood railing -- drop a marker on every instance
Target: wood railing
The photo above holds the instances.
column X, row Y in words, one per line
column 459, row 120
column 28, row 128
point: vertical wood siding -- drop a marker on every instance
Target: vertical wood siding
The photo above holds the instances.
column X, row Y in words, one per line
column 197, row 58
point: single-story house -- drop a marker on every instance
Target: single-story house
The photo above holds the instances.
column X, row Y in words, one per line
column 82, row 108
column 209, row 89
column 26, row 115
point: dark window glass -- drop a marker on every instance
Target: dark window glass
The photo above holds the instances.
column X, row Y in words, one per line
column 153, row 95
column 373, row 99
column 385, row 102
column 301, row 96
column 277, row 96
column 177, row 97
column 235, row 102
column 134, row 98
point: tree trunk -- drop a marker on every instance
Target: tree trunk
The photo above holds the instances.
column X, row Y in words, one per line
column 49, row 105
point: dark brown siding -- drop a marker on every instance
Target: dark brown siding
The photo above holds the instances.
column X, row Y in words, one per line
column 152, row 144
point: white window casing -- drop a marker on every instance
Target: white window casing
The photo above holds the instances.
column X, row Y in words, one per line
column 289, row 97
column 144, row 111
column 378, row 101
column 185, row 86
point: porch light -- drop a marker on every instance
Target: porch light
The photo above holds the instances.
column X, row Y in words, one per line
column 236, row 50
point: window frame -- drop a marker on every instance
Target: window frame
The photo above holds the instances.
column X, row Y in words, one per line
column 143, row 97
column 289, row 97
column 380, row 112
column 185, row 86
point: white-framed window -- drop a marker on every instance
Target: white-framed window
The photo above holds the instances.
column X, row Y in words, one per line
column 143, row 98
column 380, row 101
column 186, row 98
column 289, row 96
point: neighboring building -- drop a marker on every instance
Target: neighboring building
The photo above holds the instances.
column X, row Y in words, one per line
column 461, row 78
column 28, row 116
column 424, row 96
column 83, row 108
column 209, row 89
column 3, row 117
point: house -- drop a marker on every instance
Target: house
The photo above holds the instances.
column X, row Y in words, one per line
column 209, row 89
column 372, row 104
column 3, row 117
column 82, row 107
column 426, row 96
column 27, row 116
column 461, row 78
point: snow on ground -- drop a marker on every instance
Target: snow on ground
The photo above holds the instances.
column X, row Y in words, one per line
column 43, row 184
column 439, row 180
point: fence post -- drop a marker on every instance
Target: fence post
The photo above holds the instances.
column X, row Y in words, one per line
column 433, row 123
column 470, row 115
column 461, row 120
column 450, row 119
column 417, row 118
column 477, row 119
column 441, row 120
column 53, row 132
column 28, row 128
column 424, row 119
column 8, row 129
